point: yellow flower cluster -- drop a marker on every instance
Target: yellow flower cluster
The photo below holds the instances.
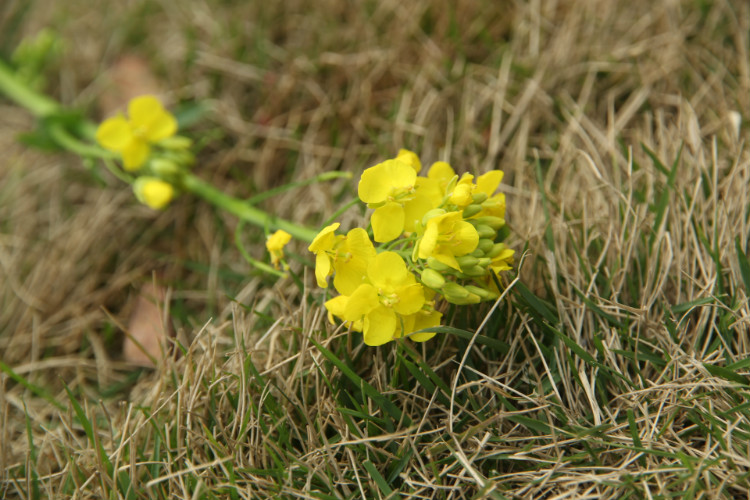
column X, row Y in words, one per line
column 441, row 238
column 147, row 126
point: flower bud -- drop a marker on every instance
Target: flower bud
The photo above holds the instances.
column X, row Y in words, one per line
column 456, row 294
column 479, row 197
column 437, row 265
column 483, row 293
column 488, row 220
column 153, row 192
column 474, row 271
column 485, row 245
column 466, row 261
column 164, row 168
column 432, row 279
column 497, row 249
column 478, row 253
column 176, row 142
column 471, row 210
column 485, row 231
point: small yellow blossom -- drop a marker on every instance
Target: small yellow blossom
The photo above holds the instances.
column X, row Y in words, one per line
column 153, row 192
column 346, row 256
column 411, row 158
column 275, row 245
column 390, row 294
column 446, row 237
column 386, row 187
column 147, row 123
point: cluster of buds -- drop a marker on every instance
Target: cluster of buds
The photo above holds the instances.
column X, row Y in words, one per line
column 146, row 143
column 441, row 237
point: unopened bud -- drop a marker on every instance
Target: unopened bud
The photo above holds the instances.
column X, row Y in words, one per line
column 176, row 142
column 485, row 231
column 479, row 197
column 478, row 253
column 471, row 210
column 456, row 294
column 432, row 279
column 474, row 271
column 466, row 261
column 488, row 220
column 497, row 249
column 164, row 168
column 437, row 265
column 485, row 245
column 483, row 293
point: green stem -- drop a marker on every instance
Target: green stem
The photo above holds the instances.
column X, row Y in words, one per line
column 243, row 210
column 19, row 92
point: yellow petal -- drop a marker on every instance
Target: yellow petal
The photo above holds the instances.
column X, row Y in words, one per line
column 411, row 299
column 322, row 269
column 336, row 306
column 388, row 271
column 325, row 239
column 441, row 172
column 429, row 239
column 278, row 240
column 147, row 114
column 488, row 183
column 411, row 158
column 388, row 222
column 153, row 192
column 379, row 181
column 114, row 134
column 422, row 321
column 379, row 326
column 135, row 154
column 467, row 238
column 361, row 302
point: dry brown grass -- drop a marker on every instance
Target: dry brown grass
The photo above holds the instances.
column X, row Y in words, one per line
column 627, row 381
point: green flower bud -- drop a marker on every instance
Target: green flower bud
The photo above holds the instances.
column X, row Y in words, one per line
column 485, row 245
column 474, row 271
column 485, row 231
column 471, row 210
column 466, row 261
column 437, row 265
column 456, row 294
column 497, row 249
column 484, row 262
column 479, row 197
column 164, row 168
column 432, row 279
column 484, row 294
column 176, row 142
column 488, row 220
column 478, row 253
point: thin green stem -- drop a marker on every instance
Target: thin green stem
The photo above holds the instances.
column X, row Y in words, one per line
column 327, row 176
column 19, row 92
column 243, row 210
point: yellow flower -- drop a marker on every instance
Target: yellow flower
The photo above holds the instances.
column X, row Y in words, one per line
column 391, row 294
column 446, row 237
column 347, row 256
column 503, row 261
column 386, row 187
column 153, row 192
column 275, row 245
column 147, row 123
column 411, row 158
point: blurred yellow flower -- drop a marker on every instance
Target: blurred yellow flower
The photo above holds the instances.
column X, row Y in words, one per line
column 153, row 192
column 147, row 123
column 275, row 245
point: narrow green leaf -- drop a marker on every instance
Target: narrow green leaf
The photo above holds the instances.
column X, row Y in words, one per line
column 378, row 478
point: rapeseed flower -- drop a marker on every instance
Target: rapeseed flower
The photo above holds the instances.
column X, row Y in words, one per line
column 147, row 123
column 390, row 294
column 446, row 237
column 275, row 245
column 153, row 192
column 346, row 256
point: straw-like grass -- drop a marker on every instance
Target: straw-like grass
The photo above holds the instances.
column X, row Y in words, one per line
column 615, row 367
